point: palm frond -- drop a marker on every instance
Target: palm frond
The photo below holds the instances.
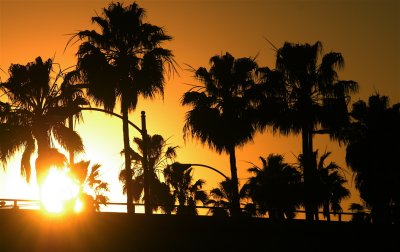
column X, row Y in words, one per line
column 69, row 139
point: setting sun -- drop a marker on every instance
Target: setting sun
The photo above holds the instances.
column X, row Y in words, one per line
column 60, row 193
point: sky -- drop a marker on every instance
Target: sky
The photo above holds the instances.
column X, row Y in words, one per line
column 366, row 32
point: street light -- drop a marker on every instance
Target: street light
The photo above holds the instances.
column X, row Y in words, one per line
column 184, row 166
column 143, row 132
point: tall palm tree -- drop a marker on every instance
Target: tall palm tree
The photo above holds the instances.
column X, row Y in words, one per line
column 122, row 61
column 275, row 188
column 92, row 189
column 328, row 187
column 186, row 191
column 159, row 157
column 373, row 148
column 33, row 118
column 222, row 114
column 315, row 100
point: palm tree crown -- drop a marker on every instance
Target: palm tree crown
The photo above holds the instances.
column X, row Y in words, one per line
column 124, row 59
column 34, row 117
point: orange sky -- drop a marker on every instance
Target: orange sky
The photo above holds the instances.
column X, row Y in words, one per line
column 365, row 32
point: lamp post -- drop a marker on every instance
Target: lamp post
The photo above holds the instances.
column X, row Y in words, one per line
column 143, row 132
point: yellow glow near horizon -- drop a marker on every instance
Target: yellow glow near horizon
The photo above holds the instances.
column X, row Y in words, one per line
column 60, row 192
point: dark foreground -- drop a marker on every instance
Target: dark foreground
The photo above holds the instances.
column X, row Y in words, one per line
column 32, row 231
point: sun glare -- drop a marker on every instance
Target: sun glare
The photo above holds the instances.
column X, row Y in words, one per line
column 60, row 193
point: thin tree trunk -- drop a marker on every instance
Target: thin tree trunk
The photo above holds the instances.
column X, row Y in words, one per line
column 313, row 172
column 307, row 156
column 235, row 211
column 125, row 130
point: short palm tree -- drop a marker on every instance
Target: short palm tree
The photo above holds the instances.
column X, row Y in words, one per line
column 222, row 114
column 315, row 100
column 328, row 188
column 221, row 199
column 33, row 118
column 184, row 190
column 275, row 188
column 159, row 156
column 92, row 188
column 122, row 61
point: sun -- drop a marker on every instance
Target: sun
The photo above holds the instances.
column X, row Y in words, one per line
column 59, row 193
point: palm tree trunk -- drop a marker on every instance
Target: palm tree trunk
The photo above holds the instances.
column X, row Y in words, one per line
column 71, row 152
column 42, row 147
column 235, row 211
column 307, row 155
column 40, row 162
column 125, row 130
column 313, row 172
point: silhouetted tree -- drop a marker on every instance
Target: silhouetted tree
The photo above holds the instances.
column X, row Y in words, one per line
column 221, row 199
column 315, row 100
column 275, row 188
column 92, row 188
column 186, row 191
column 123, row 61
column 159, row 157
column 222, row 114
column 33, row 118
column 328, row 188
column 372, row 153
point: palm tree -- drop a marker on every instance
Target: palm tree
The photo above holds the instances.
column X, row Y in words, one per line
column 328, row 188
column 186, row 191
column 33, row 118
column 315, row 100
column 159, row 157
column 373, row 148
column 222, row 114
column 275, row 188
column 92, row 188
column 123, row 61
column 221, row 199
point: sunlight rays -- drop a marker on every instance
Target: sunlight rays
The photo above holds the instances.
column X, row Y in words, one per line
column 60, row 193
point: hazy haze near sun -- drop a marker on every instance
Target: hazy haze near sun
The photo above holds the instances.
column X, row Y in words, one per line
column 365, row 32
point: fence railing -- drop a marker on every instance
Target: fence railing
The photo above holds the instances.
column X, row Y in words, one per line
column 139, row 208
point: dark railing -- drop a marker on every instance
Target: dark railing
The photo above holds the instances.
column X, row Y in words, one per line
column 121, row 207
